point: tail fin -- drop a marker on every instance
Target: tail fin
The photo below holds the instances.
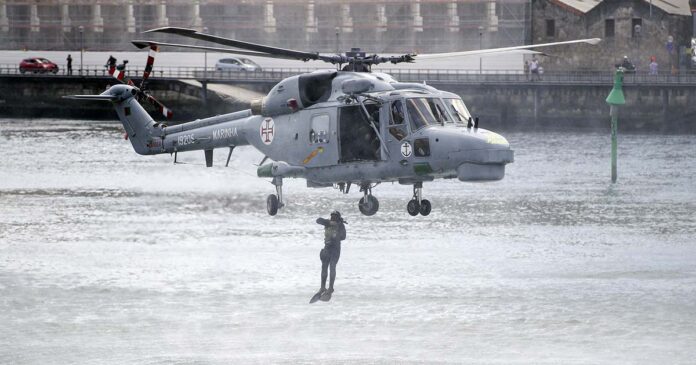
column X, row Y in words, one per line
column 138, row 123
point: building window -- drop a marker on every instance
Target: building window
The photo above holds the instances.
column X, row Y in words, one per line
column 636, row 27
column 609, row 27
column 550, row 28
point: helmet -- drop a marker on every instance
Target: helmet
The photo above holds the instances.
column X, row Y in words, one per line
column 336, row 216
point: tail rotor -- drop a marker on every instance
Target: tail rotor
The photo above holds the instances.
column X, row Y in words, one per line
column 143, row 95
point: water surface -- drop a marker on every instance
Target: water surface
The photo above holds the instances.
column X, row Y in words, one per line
column 109, row 257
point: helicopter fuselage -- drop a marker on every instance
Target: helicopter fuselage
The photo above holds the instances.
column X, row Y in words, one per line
column 413, row 133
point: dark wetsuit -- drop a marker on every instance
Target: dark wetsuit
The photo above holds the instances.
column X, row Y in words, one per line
column 334, row 233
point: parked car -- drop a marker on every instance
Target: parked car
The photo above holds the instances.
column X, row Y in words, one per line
column 37, row 65
column 237, row 64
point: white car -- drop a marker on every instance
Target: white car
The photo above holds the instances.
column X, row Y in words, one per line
column 237, row 64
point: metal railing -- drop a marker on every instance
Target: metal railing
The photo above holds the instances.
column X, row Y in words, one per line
column 443, row 76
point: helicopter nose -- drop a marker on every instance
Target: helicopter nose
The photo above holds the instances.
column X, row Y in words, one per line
column 483, row 157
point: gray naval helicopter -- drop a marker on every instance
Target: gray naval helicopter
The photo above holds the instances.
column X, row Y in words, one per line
column 335, row 128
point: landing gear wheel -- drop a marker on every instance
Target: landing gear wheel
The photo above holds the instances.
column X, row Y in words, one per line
column 425, row 207
column 412, row 207
column 368, row 205
column 272, row 204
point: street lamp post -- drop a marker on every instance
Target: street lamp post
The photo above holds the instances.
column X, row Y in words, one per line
column 205, row 54
column 338, row 50
column 480, row 28
column 82, row 46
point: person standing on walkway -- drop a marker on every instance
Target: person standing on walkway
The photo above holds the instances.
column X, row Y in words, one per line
column 534, row 69
column 69, row 59
column 526, row 70
column 111, row 64
column 653, row 66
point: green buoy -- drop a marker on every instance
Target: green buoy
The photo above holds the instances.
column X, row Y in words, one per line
column 615, row 98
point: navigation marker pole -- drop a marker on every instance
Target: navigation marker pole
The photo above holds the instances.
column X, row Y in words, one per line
column 615, row 98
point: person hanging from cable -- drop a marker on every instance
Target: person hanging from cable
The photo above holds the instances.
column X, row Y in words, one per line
column 334, row 233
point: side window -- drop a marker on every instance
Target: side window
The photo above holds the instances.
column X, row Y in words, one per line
column 397, row 113
column 416, row 117
column 397, row 128
column 421, row 147
column 319, row 129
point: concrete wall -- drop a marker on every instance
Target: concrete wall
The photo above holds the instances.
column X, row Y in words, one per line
column 571, row 25
column 667, row 109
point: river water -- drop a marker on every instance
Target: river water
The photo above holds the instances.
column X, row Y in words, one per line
column 109, row 257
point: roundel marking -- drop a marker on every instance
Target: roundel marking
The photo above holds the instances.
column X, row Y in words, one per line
column 267, row 131
column 406, row 149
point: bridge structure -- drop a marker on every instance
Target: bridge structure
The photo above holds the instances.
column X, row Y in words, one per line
column 271, row 76
column 505, row 99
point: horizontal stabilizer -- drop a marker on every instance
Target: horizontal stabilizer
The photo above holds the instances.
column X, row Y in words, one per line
column 92, row 97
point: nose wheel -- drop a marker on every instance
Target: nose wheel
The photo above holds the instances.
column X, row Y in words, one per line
column 368, row 204
column 418, row 205
column 275, row 201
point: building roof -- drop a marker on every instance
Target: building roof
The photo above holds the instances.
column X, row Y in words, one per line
column 676, row 7
column 577, row 6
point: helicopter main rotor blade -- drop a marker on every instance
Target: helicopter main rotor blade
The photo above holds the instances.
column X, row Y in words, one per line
column 192, row 33
column 430, row 56
column 145, row 43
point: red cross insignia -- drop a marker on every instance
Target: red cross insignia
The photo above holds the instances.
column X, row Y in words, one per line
column 267, row 130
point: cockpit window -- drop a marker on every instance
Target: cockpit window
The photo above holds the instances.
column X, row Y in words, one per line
column 458, row 110
column 438, row 110
column 397, row 113
column 419, row 113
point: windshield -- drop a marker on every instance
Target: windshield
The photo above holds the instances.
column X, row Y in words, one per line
column 419, row 113
column 458, row 110
column 438, row 110
column 248, row 61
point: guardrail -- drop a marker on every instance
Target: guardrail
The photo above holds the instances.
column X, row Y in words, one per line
column 444, row 76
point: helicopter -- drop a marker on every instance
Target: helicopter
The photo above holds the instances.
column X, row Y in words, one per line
column 341, row 127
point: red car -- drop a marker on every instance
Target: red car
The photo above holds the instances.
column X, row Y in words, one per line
column 37, row 64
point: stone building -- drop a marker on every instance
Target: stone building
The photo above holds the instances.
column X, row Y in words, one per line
column 318, row 25
column 639, row 29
